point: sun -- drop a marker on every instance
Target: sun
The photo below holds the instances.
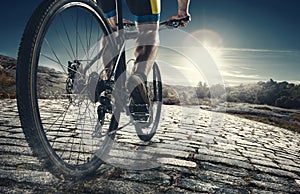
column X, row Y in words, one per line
column 210, row 40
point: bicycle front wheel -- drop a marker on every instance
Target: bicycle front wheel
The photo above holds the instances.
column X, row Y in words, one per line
column 57, row 67
column 146, row 131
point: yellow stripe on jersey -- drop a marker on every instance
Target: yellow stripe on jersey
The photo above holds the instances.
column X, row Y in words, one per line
column 155, row 6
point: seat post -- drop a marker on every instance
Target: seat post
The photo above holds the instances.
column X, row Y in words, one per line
column 120, row 14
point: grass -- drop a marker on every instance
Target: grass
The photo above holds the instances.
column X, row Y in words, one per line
column 282, row 123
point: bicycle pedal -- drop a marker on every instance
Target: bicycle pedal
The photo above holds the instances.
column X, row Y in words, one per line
column 140, row 117
column 139, row 108
column 139, row 112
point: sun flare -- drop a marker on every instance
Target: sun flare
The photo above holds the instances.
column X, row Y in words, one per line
column 210, row 40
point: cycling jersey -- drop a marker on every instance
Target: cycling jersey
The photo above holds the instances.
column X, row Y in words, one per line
column 143, row 10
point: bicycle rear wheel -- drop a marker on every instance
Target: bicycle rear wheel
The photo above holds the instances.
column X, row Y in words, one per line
column 58, row 115
column 146, row 131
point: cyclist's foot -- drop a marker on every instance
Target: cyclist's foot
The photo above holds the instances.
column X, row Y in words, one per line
column 139, row 100
column 137, row 88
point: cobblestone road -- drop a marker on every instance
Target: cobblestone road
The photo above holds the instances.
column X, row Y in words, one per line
column 199, row 151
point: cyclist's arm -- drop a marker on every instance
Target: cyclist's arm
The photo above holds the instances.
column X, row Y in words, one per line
column 183, row 8
column 183, row 12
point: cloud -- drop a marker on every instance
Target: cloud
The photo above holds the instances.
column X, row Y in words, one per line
column 240, row 75
column 260, row 50
column 240, row 65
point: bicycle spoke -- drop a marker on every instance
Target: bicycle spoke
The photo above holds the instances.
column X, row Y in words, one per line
column 76, row 37
column 86, row 38
column 49, row 58
column 116, row 130
column 63, row 113
column 91, row 30
column 83, row 126
column 54, row 53
column 82, row 45
column 97, row 47
column 57, row 62
column 72, row 144
column 62, row 42
column 87, row 104
column 67, row 34
column 59, row 128
column 89, row 36
column 92, row 62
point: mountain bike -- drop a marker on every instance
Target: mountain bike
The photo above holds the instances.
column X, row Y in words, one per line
column 70, row 107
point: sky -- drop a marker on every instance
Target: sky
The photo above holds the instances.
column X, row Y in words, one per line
column 249, row 40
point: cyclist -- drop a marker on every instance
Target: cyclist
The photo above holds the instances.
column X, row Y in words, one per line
column 146, row 16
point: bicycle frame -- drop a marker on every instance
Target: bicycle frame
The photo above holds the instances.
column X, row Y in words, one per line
column 120, row 64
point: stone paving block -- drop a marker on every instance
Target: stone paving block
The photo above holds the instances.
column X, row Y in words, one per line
column 178, row 162
column 263, row 191
column 168, row 152
column 221, row 153
column 275, row 187
column 24, row 175
column 223, row 169
column 277, row 172
column 227, row 147
column 193, row 144
column 25, row 161
column 260, row 150
column 285, row 182
column 227, row 161
column 196, row 185
column 175, row 146
column 153, row 177
column 263, row 162
column 189, row 154
column 221, row 177
column 247, row 143
column 8, row 141
column 178, row 191
column 290, row 168
column 287, row 155
column 16, row 150
column 288, row 162
column 177, row 171
column 251, row 154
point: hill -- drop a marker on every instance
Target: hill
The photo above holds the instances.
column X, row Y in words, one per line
column 279, row 94
column 51, row 82
column 7, row 77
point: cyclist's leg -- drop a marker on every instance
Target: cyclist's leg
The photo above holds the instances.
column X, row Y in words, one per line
column 146, row 15
column 109, row 8
column 146, row 47
column 145, row 54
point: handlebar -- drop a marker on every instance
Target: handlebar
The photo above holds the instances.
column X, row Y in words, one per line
column 131, row 33
column 168, row 23
column 175, row 23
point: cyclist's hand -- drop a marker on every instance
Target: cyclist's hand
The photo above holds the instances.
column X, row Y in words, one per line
column 183, row 19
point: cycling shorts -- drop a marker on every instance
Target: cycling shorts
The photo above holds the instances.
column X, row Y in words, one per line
column 143, row 10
